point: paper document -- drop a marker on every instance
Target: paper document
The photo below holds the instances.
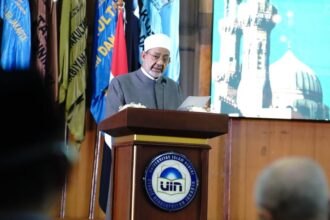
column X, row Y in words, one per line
column 194, row 101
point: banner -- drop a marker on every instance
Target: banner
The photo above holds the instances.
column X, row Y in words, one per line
column 103, row 42
column 73, row 64
column 118, row 67
column 16, row 34
column 42, row 34
column 132, row 34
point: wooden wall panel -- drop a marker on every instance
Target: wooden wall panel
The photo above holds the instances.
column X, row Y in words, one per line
column 279, row 140
column 302, row 139
column 216, row 178
column 322, row 146
column 236, row 196
column 254, row 143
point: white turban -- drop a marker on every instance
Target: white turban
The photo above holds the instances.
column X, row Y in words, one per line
column 157, row 40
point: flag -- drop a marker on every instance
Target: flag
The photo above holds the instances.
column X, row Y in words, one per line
column 53, row 72
column 118, row 67
column 2, row 8
column 132, row 33
column 170, row 14
column 163, row 17
column 103, row 41
column 73, row 66
column 119, row 57
column 42, row 34
column 145, row 26
column 16, row 34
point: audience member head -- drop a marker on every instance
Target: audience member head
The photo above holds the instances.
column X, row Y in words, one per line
column 293, row 188
column 33, row 160
column 156, row 54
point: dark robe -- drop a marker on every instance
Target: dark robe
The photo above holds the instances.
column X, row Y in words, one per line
column 135, row 87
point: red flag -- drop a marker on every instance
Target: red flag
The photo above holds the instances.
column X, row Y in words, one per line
column 119, row 56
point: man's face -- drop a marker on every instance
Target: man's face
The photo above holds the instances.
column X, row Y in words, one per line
column 155, row 61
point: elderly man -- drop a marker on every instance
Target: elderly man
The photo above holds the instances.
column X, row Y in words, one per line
column 146, row 86
column 292, row 188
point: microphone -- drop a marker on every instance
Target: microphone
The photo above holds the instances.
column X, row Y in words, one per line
column 163, row 82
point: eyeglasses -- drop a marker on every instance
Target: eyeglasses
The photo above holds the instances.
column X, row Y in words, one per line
column 156, row 57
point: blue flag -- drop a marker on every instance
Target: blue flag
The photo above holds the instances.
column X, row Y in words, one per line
column 159, row 16
column 103, row 42
column 170, row 14
column 16, row 34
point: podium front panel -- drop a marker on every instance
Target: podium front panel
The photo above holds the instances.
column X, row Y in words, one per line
column 130, row 199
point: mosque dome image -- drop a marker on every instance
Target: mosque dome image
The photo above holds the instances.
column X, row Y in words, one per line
column 296, row 87
column 245, row 83
column 171, row 173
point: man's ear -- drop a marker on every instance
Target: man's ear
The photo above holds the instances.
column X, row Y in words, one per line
column 264, row 214
column 143, row 55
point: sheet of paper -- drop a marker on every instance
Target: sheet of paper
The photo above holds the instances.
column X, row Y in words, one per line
column 194, row 101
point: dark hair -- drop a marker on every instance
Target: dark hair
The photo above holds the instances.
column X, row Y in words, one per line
column 27, row 114
column 32, row 158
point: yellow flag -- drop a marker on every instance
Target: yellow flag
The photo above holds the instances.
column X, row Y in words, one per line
column 73, row 65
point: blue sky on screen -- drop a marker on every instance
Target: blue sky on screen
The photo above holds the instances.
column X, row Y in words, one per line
column 306, row 25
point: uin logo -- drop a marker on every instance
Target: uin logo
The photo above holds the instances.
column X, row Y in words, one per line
column 171, row 181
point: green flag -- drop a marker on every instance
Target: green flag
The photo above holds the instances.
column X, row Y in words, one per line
column 73, row 65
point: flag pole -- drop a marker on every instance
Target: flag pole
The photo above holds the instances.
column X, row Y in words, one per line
column 95, row 175
column 116, row 68
column 64, row 188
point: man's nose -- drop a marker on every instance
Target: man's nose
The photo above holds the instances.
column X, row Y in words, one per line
column 161, row 61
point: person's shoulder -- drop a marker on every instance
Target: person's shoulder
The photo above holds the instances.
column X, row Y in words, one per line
column 170, row 81
column 127, row 76
column 120, row 78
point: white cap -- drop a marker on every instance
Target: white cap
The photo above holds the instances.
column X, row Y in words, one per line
column 157, row 40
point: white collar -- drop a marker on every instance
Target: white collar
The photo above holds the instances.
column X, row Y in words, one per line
column 147, row 74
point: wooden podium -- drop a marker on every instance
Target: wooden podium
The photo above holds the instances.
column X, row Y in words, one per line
column 143, row 135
